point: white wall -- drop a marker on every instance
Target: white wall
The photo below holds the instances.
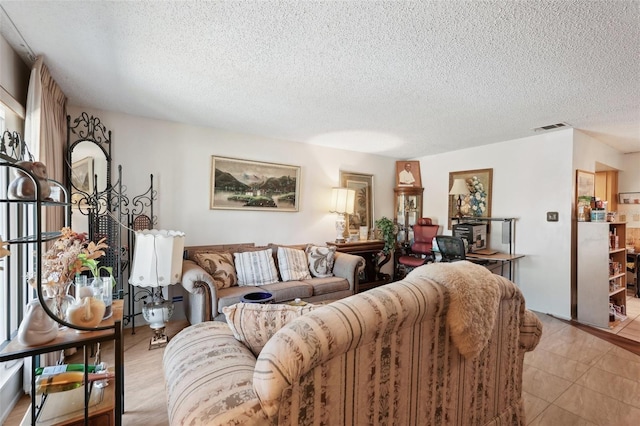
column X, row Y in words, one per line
column 531, row 176
column 179, row 157
column 588, row 151
column 629, row 181
column 14, row 76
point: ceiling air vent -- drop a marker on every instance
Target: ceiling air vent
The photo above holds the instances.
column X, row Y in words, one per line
column 550, row 127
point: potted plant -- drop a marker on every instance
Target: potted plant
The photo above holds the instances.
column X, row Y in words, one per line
column 388, row 230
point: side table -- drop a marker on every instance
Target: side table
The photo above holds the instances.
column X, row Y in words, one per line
column 370, row 276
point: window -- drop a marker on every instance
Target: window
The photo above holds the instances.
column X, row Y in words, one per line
column 12, row 291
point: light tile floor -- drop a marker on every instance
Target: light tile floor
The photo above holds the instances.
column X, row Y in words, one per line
column 575, row 378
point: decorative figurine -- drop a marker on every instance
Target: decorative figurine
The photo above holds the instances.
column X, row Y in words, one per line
column 23, row 188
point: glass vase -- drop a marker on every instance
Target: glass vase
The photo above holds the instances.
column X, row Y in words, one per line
column 59, row 299
column 102, row 289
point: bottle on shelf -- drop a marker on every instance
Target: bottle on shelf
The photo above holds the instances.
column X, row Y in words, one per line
column 66, row 381
column 55, row 369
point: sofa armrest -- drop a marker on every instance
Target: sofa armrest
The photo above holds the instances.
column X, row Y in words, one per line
column 348, row 266
column 203, row 305
column 530, row 331
column 209, row 378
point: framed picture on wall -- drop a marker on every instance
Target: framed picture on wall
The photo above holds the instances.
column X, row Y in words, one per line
column 408, row 174
column 478, row 202
column 81, row 179
column 253, row 185
column 585, row 187
column 363, row 208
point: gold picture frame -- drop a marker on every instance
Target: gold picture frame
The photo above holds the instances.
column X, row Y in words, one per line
column 408, row 174
column 482, row 181
column 363, row 208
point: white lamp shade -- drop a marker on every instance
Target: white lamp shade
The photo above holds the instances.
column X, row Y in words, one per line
column 459, row 187
column 157, row 259
column 342, row 200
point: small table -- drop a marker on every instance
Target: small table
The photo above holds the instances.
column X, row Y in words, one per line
column 371, row 276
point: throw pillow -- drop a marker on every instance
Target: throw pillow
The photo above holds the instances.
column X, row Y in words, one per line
column 255, row 268
column 220, row 267
column 321, row 260
column 254, row 324
column 293, row 264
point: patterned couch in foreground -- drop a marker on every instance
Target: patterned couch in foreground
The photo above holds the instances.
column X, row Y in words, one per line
column 444, row 346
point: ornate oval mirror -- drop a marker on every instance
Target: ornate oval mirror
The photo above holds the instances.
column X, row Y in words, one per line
column 88, row 170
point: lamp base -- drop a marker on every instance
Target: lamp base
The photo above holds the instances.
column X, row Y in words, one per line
column 159, row 339
column 157, row 315
column 341, row 224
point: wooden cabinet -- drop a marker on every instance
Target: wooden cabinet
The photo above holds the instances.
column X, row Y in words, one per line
column 606, row 188
column 370, row 276
column 407, row 210
column 601, row 272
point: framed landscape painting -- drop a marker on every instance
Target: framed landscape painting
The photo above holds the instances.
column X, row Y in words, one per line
column 363, row 208
column 252, row 185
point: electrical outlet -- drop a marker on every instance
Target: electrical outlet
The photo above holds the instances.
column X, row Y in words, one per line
column 552, row 216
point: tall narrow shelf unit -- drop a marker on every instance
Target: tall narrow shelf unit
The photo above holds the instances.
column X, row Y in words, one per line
column 407, row 210
column 601, row 271
column 25, row 239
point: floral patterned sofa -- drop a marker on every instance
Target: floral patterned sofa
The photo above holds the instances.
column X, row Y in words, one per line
column 211, row 276
column 433, row 349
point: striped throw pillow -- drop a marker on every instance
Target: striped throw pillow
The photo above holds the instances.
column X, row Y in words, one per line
column 293, row 264
column 255, row 268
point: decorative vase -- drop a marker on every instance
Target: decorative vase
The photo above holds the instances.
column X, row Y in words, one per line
column 86, row 312
column 59, row 299
column 37, row 327
column 102, row 289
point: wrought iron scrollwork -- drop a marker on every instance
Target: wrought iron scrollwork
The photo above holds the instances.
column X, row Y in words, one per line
column 90, row 128
column 13, row 148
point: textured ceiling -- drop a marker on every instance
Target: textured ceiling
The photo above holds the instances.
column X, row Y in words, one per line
column 401, row 79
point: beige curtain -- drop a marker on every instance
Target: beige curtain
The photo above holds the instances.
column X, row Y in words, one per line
column 45, row 133
column 45, row 130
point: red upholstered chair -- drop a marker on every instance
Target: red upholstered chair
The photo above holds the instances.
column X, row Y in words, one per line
column 421, row 248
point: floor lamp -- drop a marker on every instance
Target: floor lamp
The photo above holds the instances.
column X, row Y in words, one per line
column 157, row 262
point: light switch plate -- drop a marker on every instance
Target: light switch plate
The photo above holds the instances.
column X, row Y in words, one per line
column 552, row 216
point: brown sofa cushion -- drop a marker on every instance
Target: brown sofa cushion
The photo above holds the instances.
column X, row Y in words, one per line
column 220, row 266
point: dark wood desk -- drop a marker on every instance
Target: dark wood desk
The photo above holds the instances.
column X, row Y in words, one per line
column 503, row 258
column 370, row 276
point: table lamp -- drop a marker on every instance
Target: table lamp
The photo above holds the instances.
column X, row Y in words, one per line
column 342, row 200
column 157, row 262
column 459, row 188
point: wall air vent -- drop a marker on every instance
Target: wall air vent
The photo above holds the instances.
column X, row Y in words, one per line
column 551, row 127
